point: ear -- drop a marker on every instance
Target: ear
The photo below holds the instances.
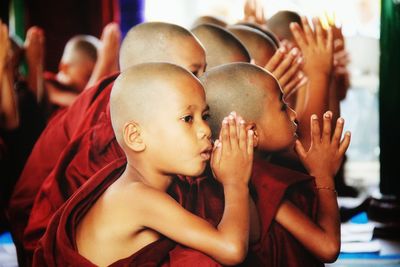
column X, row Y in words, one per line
column 132, row 136
column 253, row 126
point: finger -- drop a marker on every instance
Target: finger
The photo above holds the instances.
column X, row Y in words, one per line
column 345, row 143
column 286, row 63
column 318, row 31
column 242, row 135
column 216, row 153
column 225, row 135
column 315, row 130
column 275, row 60
column 250, row 143
column 232, row 131
column 299, row 148
column 292, row 72
column 326, row 127
column 309, row 35
column 338, row 132
column 298, row 35
column 329, row 40
column 293, row 84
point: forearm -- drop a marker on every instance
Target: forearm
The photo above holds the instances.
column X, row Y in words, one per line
column 9, row 108
column 316, row 103
column 235, row 223
column 320, row 238
column 35, row 80
column 334, row 102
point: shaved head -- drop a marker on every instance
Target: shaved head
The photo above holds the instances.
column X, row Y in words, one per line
column 221, row 46
column 209, row 20
column 81, row 46
column 138, row 91
column 280, row 22
column 262, row 29
column 236, row 87
column 259, row 45
column 161, row 42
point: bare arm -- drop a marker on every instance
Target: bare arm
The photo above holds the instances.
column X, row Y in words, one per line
column 34, row 52
column 8, row 102
column 322, row 161
column 231, row 163
column 317, row 49
column 59, row 97
column 107, row 61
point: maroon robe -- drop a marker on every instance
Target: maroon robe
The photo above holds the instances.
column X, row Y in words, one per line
column 61, row 129
column 202, row 196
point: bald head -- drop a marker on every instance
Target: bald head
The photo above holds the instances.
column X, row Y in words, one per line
column 221, row 46
column 259, row 45
column 161, row 42
column 138, row 92
column 209, row 20
column 263, row 29
column 81, row 47
column 280, row 22
column 239, row 87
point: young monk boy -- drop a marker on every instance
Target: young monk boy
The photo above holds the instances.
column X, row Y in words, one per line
column 178, row 46
column 149, row 117
column 256, row 94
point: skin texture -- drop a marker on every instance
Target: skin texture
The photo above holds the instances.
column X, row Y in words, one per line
column 9, row 117
column 228, row 87
column 173, row 108
column 220, row 45
column 162, row 42
column 259, row 45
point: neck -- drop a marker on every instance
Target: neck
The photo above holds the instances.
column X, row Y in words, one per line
column 142, row 171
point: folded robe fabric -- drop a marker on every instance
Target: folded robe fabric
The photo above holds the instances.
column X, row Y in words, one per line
column 65, row 125
column 202, row 196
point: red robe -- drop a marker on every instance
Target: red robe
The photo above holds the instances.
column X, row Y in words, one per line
column 202, row 196
column 67, row 124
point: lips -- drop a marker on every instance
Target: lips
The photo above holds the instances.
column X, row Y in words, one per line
column 206, row 153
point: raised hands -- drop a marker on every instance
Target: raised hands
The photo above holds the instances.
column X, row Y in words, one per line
column 316, row 46
column 34, row 53
column 232, row 156
column 254, row 12
column 326, row 151
column 107, row 60
column 286, row 66
column 4, row 46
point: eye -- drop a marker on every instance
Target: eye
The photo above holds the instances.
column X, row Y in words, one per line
column 206, row 116
column 187, row 119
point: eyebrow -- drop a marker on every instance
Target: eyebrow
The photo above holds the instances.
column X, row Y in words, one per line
column 190, row 107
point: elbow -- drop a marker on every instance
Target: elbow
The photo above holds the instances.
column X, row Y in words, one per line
column 331, row 252
column 234, row 254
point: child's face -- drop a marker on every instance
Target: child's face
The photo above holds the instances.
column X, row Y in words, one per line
column 80, row 73
column 178, row 139
column 191, row 55
column 276, row 128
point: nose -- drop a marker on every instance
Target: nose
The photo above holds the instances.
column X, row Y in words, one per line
column 204, row 130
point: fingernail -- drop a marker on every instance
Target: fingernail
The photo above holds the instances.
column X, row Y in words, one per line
column 225, row 121
column 299, row 60
column 295, row 51
column 242, row 122
column 250, row 132
column 348, row 133
column 314, row 117
column 233, row 113
column 327, row 115
column 230, row 117
column 341, row 120
column 282, row 50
